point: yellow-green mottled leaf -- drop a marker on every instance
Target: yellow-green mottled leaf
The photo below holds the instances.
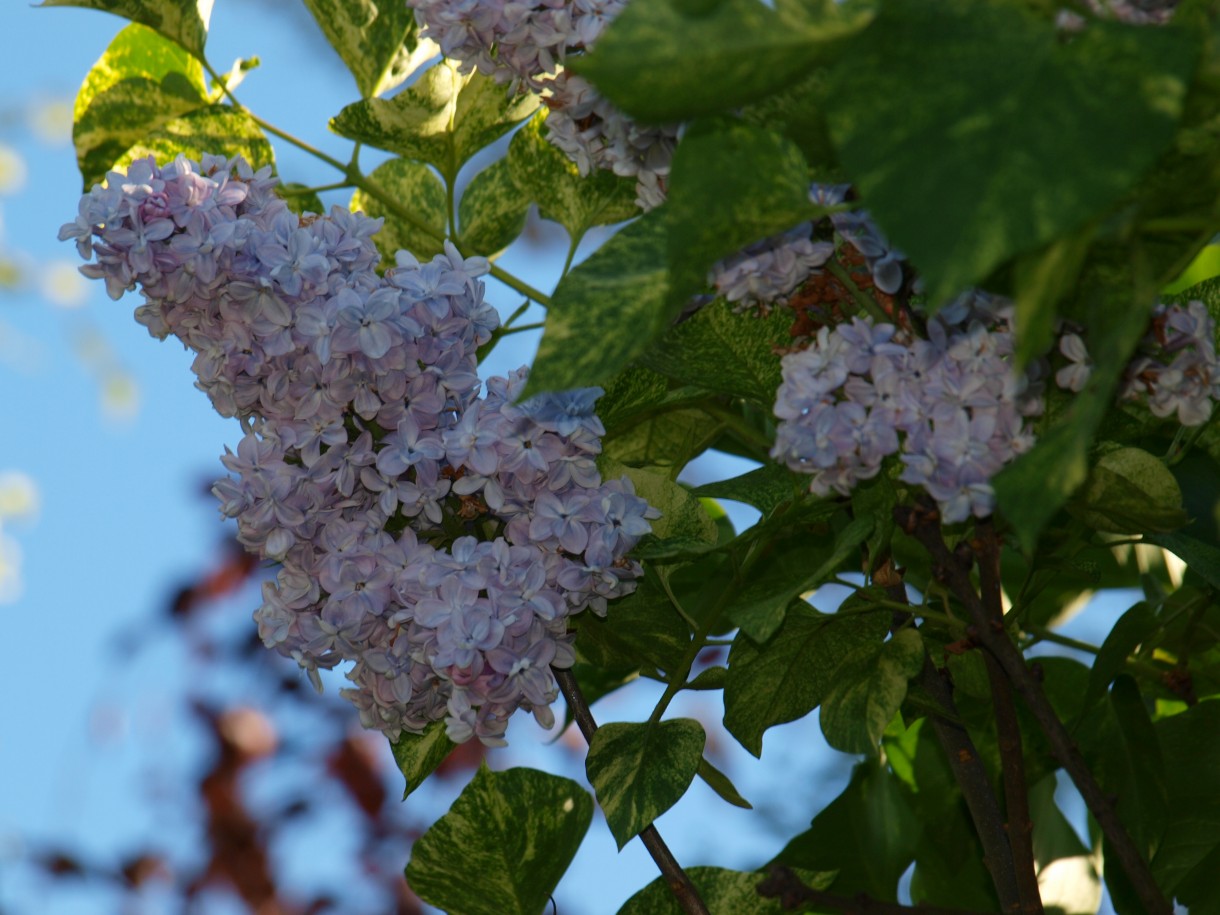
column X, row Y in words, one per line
column 788, row 676
column 492, row 211
column 869, row 687
column 418, row 755
column 443, row 119
column 605, row 312
column 665, row 441
column 139, row 83
column 375, row 38
column 640, row 630
column 724, row 891
column 641, row 770
column 183, row 21
column 503, row 845
column 217, row 129
column 553, row 182
column 414, row 186
column 300, row 198
column 684, row 525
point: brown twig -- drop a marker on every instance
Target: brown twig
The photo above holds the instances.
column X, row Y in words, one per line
column 923, row 523
column 1018, row 823
column 684, row 891
column 968, row 771
column 784, row 885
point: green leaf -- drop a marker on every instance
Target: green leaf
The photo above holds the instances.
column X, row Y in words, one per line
column 719, row 782
column 1199, row 556
column 789, row 675
column 1042, row 278
column 1007, row 136
column 1132, row 628
column 217, row 129
column 414, row 184
column 1129, row 491
column 785, row 575
column 664, row 61
column 1067, row 878
column 374, row 38
column 764, row 487
column 641, row 770
column 724, row 891
column 492, row 211
column 181, row 21
column 870, row 686
column 418, row 755
column 300, row 198
column 724, row 351
column 640, row 629
column 503, row 845
column 139, row 83
column 867, row 834
column 443, row 119
column 684, row 524
column 605, row 311
column 731, row 184
column 666, row 441
column 552, row 180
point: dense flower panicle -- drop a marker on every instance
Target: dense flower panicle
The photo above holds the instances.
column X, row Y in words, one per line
column 949, row 405
column 525, row 44
column 437, row 538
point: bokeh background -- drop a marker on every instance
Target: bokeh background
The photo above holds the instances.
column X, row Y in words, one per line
column 153, row 757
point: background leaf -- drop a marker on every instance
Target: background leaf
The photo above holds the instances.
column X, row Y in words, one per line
column 726, row 892
column 414, row 184
column 641, row 770
column 870, row 686
column 140, row 82
column 503, row 845
column 418, row 755
column 492, row 211
column 374, row 38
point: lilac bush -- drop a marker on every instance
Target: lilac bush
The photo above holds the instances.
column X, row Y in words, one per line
column 428, row 528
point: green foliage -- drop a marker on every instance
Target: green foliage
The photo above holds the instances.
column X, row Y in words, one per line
column 871, row 686
column 641, row 770
column 418, row 755
column 503, row 845
column 405, row 179
column 182, row 21
column 492, row 211
column 726, row 892
column 375, row 39
column 216, row 128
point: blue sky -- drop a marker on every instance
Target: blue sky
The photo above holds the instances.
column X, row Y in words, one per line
column 122, row 522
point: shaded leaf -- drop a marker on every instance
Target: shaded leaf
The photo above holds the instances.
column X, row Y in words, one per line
column 552, row 180
column 443, row 119
column 139, row 83
column 421, row 191
column 724, row 891
column 720, row 783
column 870, row 686
column 605, row 311
column 374, row 38
column 181, row 21
column 492, row 211
column 516, row 830
column 1007, row 136
column 1132, row 628
column 641, row 770
column 787, row 676
column 640, row 629
column 764, row 487
column 664, row 442
column 418, row 755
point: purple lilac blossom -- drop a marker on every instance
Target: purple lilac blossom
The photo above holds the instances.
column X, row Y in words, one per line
column 367, row 444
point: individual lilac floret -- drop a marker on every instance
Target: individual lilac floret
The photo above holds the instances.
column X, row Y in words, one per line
column 437, row 539
column 949, row 406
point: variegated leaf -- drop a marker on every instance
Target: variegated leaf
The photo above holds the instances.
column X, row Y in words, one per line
column 492, row 211
column 183, row 21
column 605, row 311
column 414, row 186
column 444, row 119
column 217, row 129
column 418, row 755
column 870, row 685
column 376, row 39
column 139, row 83
column 504, row 844
column 641, row 770
column 552, row 181
column 725, row 892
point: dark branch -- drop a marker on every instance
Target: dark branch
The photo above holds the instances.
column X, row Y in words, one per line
column 968, row 771
column 784, row 885
column 676, row 878
column 923, row 523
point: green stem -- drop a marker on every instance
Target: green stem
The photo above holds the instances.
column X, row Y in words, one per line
column 300, row 191
column 538, row 325
column 1042, row 634
column 863, row 299
column 567, row 263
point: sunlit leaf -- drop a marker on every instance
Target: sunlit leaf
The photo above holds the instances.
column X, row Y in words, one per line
column 182, row 21
column 492, row 211
column 217, row 129
column 416, row 187
column 375, row 38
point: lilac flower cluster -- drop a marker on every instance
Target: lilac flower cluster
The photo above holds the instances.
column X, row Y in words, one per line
column 525, row 44
column 949, row 405
column 437, row 539
column 769, row 270
column 1175, row 370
